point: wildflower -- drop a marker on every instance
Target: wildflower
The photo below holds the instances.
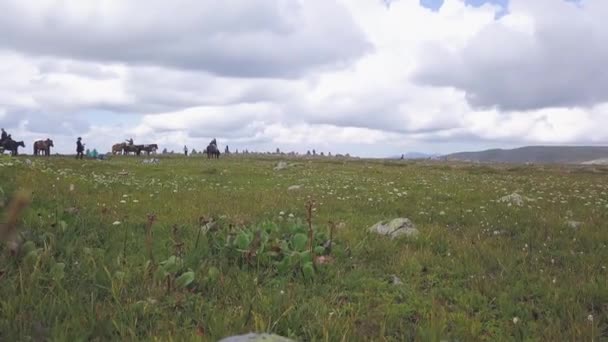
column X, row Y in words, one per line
column 123, row 201
column 281, row 213
column 125, row 196
column 515, row 320
column 590, row 318
column 135, row 201
column 116, row 223
column 71, row 187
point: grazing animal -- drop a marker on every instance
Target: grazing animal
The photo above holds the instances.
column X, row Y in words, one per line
column 212, row 151
column 118, row 148
column 151, row 148
column 133, row 149
column 43, row 146
column 12, row 146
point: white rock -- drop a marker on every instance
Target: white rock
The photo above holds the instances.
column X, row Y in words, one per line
column 281, row 166
column 395, row 228
column 513, row 198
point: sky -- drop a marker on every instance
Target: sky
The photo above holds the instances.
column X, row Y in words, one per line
column 364, row 77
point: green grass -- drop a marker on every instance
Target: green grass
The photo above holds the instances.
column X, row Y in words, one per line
column 476, row 266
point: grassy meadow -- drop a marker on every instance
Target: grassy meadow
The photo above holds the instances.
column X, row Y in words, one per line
column 197, row 249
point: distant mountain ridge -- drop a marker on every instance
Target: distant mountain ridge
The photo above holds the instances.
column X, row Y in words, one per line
column 537, row 154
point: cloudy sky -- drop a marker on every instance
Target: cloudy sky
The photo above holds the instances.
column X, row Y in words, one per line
column 366, row 77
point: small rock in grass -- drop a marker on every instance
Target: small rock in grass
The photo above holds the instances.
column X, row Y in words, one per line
column 281, row 166
column 395, row 280
column 395, row 228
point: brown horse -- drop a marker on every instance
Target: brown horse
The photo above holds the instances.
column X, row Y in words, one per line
column 43, row 146
column 119, row 148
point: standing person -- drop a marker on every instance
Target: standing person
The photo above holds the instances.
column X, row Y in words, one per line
column 4, row 135
column 79, row 148
column 186, row 150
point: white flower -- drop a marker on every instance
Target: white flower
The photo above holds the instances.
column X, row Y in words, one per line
column 71, row 187
column 515, row 320
column 590, row 318
column 281, row 213
column 116, row 223
column 123, row 201
column 125, row 196
column 135, row 201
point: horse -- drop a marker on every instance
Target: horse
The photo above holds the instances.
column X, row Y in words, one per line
column 118, row 148
column 212, row 151
column 150, row 148
column 133, row 148
column 43, row 146
column 12, row 146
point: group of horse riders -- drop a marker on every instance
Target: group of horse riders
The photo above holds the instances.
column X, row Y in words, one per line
column 43, row 146
column 129, row 147
column 40, row 146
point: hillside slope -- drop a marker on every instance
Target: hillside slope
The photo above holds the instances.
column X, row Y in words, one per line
column 536, row 154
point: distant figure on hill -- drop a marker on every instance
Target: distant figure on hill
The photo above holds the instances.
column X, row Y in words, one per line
column 79, row 148
column 227, row 150
column 185, row 150
column 4, row 136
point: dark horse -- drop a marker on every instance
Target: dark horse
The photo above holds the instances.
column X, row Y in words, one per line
column 12, row 146
column 150, row 148
column 212, row 151
column 43, row 146
column 133, row 148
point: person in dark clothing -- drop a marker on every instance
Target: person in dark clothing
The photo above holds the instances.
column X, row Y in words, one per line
column 213, row 142
column 79, row 148
column 4, row 135
column 186, row 151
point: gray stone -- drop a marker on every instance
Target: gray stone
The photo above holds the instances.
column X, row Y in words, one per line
column 395, row 228
column 395, row 280
column 513, row 198
column 281, row 166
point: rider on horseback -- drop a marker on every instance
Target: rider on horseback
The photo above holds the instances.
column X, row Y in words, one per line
column 4, row 136
column 130, row 141
column 213, row 142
